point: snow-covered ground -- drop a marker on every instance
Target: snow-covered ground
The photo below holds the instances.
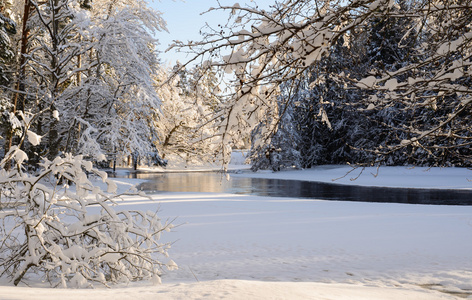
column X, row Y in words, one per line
column 405, row 177
column 249, row 247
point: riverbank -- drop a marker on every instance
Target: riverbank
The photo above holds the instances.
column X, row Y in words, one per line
column 385, row 176
column 401, row 177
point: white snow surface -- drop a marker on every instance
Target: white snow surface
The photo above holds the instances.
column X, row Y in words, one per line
column 400, row 177
column 249, row 247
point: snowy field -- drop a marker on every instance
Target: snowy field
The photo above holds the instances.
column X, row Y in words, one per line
column 249, row 247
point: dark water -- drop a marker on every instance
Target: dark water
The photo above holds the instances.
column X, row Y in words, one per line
column 216, row 182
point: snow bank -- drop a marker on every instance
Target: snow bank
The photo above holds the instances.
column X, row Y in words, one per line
column 229, row 289
column 406, row 177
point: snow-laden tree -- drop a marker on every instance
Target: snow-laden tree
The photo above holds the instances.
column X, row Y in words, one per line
column 93, row 63
column 186, row 125
column 434, row 89
column 329, row 111
column 83, row 83
column 118, row 100
column 265, row 48
column 7, row 56
column 58, row 225
column 7, row 29
column 283, row 149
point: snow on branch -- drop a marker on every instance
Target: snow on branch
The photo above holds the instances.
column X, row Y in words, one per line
column 62, row 223
column 62, row 227
column 264, row 49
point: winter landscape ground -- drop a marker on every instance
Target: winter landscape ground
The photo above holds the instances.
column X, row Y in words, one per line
column 248, row 247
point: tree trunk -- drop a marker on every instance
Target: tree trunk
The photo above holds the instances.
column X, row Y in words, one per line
column 19, row 98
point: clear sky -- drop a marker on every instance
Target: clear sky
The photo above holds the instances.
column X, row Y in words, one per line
column 184, row 20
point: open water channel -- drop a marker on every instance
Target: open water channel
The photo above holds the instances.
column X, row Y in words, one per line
column 217, row 183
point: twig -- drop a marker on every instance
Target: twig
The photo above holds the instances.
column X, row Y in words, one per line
column 193, row 274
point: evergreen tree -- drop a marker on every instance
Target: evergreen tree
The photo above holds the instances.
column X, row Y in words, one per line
column 7, row 58
column 333, row 121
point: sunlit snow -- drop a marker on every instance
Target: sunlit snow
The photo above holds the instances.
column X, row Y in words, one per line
column 248, row 247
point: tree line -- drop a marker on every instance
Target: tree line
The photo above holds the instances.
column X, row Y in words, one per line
column 361, row 81
column 335, row 119
column 88, row 75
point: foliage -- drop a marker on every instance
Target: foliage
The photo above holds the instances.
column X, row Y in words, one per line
column 186, row 125
column 59, row 225
column 7, row 28
column 93, row 63
column 284, row 148
column 408, row 72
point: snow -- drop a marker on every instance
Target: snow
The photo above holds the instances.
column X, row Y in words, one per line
column 231, row 289
column 391, row 84
column 55, row 115
column 367, row 82
column 406, row 177
column 249, row 247
column 20, row 155
column 33, row 138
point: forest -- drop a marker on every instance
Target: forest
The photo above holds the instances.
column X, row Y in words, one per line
column 306, row 83
column 366, row 82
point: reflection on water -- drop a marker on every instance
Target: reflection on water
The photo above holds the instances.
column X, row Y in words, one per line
column 217, row 183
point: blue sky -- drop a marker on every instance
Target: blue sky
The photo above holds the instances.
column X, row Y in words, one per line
column 184, row 20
